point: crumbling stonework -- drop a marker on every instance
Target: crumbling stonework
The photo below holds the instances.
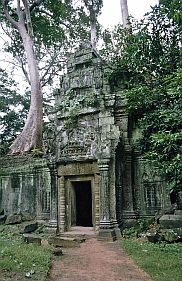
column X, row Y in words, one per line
column 92, row 175
column 25, row 186
column 94, row 143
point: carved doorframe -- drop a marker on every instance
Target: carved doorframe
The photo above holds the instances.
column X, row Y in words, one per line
column 65, row 180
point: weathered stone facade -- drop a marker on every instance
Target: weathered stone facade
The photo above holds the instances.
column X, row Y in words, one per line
column 25, row 186
column 95, row 177
column 94, row 144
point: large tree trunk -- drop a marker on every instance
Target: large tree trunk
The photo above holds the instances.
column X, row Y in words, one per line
column 31, row 135
column 93, row 29
column 93, row 34
column 124, row 12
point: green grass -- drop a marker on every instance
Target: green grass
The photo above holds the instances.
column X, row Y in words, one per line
column 19, row 260
column 163, row 262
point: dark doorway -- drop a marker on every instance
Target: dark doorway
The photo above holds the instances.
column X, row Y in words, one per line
column 83, row 203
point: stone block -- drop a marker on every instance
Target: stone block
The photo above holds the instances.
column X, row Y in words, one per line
column 57, row 252
column 64, row 242
column 172, row 235
column 14, row 219
column 29, row 227
column 153, row 236
column 106, row 121
column 27, row 216
column 107, row 235
column 30, row 238
column 171, row 221
column 3, row 219
column 178, row 212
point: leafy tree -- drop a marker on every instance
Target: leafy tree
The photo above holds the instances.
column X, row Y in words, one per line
column 31, row 136
column 49, row 20
column 58, row 27
column 146, row 63
column 13, row 108
column 173, row 8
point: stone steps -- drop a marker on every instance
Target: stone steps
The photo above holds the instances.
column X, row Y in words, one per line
column 65, row 242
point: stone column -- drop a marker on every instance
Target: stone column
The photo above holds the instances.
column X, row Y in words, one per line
column 112, row 196
column 138, row 194
column 97, row 201
column 53, row 222
column 38, row 184
column 62, row 203
column 128, row 212
column 106, row 229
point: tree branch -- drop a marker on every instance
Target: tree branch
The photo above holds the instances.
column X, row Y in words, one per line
column 48, row 68
column 35, row 4
column 7, row 15
column 19, row 12
column 50, row 15
column 23, row 69
column 28, row 18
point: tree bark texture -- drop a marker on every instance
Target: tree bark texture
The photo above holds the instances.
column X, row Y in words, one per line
column 93, row 35
column 93, row 28
column 124, row 12
column 31, row 135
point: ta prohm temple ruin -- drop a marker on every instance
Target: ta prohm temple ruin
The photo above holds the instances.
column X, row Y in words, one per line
column 91, row 174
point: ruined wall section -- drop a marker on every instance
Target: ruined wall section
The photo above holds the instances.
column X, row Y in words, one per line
column 85, row 122
column 25, row 186
column 140, row 190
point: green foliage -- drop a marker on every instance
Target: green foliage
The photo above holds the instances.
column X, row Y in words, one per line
column 73, row 100
column 149, row 49
column 173, row 9
column 146, row 63
column 14, row 253
column 131, row 232
column 54, row 21
column 162, row 261
column 13, row 108
column 134, row 232
column 74, row 103
column 158, row 111
column 58, row 27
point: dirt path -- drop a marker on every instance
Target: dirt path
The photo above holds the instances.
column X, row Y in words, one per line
column 96, row 261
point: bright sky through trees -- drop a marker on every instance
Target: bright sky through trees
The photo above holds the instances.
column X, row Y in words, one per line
column 111, row 15
column 111, row 12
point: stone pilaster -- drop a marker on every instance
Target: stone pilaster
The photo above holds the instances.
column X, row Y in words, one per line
column 112, row 196
column 53, row 222
column 39, row 215
column 128, row 212
column 62, row 203
column 107, row 225
column 97, row 201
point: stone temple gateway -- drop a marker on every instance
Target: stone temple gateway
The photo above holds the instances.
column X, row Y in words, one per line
column 92, row 176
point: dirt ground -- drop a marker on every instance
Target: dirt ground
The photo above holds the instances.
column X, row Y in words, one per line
column 95, row 261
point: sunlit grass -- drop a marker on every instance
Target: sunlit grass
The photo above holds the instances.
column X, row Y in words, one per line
column 21, row 258
column 163, row 262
